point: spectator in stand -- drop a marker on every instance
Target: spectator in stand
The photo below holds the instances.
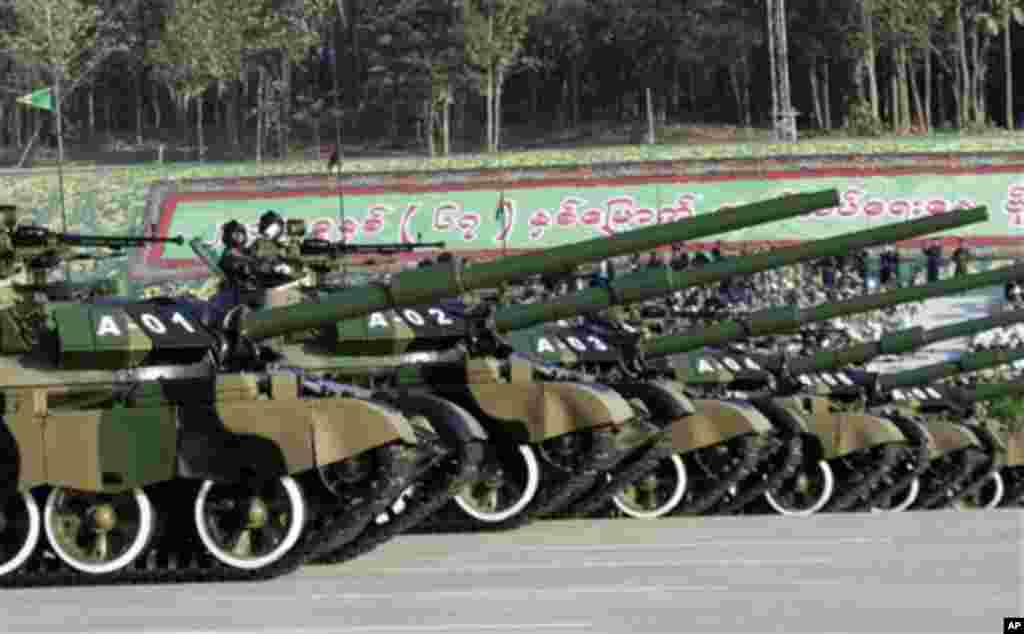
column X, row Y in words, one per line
column 933, row 260
column 961, row 257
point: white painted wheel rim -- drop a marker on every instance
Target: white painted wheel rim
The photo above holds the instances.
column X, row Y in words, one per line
column 997, row 496
column 828, row 486
column 138, row 544
column 31, row 538
column 529, row 492
column 622, row 502
column 297, row 521
column 913, row 490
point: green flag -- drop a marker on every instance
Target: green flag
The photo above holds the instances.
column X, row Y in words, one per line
column 38, row 99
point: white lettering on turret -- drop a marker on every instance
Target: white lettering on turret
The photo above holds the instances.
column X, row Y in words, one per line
column 806, row 380
column 543, row 345
column 577, row 345
column 844, row 379
column 153, row 324
column 108, row 326
column 440, row 316
column 934, row 393
column 899, row 395
column 751, row 364
column 377, row 320
column 176, row 318
column 414, row 318
column 704, row 366
column 732, row 364
column 597, row 343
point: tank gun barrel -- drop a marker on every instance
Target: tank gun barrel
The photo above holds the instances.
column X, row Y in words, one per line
column 776, row 320
column 651, row 283
column 448, row 279
column 991, row 391
column 34, row 236
column 971, row 362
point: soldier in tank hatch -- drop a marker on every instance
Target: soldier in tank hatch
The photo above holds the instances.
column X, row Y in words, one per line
column 933, row 260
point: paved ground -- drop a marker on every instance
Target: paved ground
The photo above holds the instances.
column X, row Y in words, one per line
column 921, row 572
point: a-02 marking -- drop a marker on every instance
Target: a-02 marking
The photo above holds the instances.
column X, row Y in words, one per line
column 413, row 317
column 918, row 393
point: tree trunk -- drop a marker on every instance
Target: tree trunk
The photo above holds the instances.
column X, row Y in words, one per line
column 826, row 89
column 964, row 99
column 869, row 58
column 199, row 128
column 819, row 119
column 1008, row 80
column 905, row 79
column 284, row 125
column 92, row 111
column 651, row 138
column 918, row 104
column 928, row 82
column 489, row 101
column 428, row 116
column 574, row 82
column 260, row 94
column 977, row 88
column 785, row 118
column 499, row 81
column 155, row 100
column 140, row 87
column 894, row 96
column 737, row 90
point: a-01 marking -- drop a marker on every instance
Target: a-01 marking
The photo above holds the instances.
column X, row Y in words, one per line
column 165, row 328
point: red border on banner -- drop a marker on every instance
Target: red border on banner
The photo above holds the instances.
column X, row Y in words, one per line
column 170, row 201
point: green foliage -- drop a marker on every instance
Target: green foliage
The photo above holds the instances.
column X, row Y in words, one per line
column 1008, row 413
column 54, row 34
column 494, row 38
column 861, row 120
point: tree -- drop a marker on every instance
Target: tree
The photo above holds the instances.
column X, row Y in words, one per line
column 62, row 38
column 783, row 115
column 495, row 33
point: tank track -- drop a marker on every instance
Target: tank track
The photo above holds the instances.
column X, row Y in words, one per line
column 982, row 473
column 1013, row 479
column 556, row 491
column 597, row 502
column 770, row 475
column 746, row 451
column 856, row 481
column 435, row 490
column 394, row 477
column 171, row 559
column 948, row 477
column 901, row 475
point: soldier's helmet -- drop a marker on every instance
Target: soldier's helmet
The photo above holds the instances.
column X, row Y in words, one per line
column 235, row 236
column 271, row 225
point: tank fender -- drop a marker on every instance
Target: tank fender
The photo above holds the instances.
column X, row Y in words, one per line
column 792, row 422
column 663, row 399
column 551, row 409
column 842, row 433
column 1015, row 449
column 452, row 423
column 949, row 436
column 226, row 444
column 716, row 422
column 346, row 427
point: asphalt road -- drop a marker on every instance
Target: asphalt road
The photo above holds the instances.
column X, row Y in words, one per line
column 916, row 572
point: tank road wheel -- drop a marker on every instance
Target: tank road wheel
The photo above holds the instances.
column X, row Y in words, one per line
column 508, row 482
column 900, row 500
column 98, row 533
column 19, row 531
column 989, row 496
column 804, row 494
column 657, row 493
column 250, row 527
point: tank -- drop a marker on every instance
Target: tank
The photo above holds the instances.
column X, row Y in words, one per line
column 549, row 439
column 164, row 440
column 414, row 334
column 707, row 371
column 600, row 353
column 965, row 458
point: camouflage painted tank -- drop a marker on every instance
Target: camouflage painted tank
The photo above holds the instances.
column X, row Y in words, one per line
column 965, row 461
column 166, row 441
column 712, row 378
column 552, row 435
